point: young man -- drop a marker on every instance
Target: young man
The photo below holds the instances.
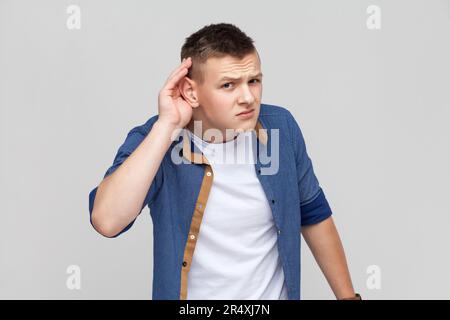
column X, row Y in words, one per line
column 223, row 229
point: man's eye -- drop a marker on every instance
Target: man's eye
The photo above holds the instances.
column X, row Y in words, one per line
column 225, row 85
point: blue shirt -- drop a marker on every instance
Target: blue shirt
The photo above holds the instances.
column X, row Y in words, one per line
column 179, row 192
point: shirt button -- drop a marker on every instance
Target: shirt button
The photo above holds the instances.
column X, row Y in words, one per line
column 273, row 201
column 279, row 231
column 184, row 263
column 192, row 236
column 208, row 174
column 259, row 171
column 200, row 206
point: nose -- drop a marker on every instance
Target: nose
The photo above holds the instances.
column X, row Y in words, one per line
column 246, row 96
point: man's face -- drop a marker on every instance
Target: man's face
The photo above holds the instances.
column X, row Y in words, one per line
column 231, row 86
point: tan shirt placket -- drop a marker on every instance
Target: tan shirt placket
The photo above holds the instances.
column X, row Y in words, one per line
column 200, row 205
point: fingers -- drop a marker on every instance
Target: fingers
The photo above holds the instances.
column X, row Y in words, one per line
column 178, row 74
column 183, row 64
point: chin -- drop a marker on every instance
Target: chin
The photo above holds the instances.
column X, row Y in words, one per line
column 248, row 125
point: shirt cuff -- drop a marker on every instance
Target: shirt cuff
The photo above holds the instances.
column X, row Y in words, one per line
column 316, row 210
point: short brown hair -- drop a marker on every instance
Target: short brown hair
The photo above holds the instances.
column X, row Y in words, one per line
column 215, row 40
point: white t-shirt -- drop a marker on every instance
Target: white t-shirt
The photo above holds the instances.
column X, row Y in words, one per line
column 236, row 255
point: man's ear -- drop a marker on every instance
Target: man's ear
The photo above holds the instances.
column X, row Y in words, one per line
column 188, row 91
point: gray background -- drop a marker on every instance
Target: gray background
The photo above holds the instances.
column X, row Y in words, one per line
column 374, row 106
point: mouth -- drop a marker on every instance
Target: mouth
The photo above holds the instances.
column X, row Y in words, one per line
column 246, row 113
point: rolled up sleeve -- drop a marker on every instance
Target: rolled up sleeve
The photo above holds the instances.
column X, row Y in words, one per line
column 314, row 206
column 132, row 141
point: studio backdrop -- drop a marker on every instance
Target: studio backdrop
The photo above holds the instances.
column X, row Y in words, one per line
column 368, row 82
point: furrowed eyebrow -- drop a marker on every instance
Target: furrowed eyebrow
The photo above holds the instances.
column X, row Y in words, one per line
column 234, row 79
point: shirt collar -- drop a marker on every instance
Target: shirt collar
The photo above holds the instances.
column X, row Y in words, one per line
column 199, row 158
